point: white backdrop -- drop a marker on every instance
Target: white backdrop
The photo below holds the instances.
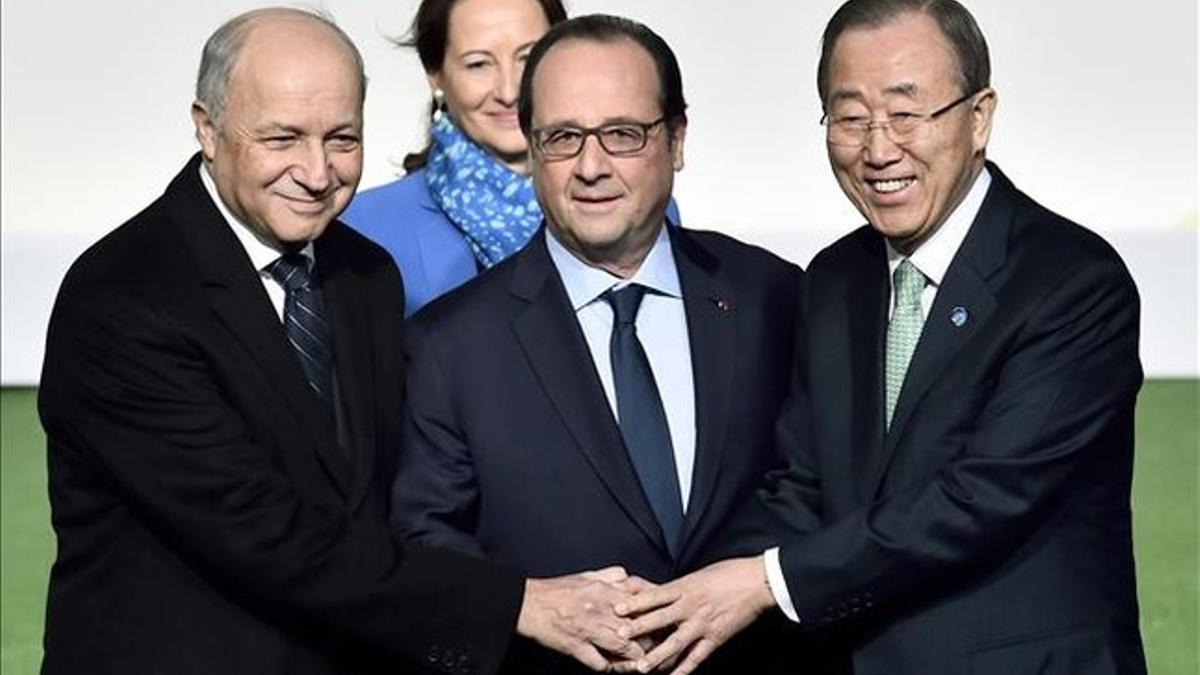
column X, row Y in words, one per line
column 1097, row 120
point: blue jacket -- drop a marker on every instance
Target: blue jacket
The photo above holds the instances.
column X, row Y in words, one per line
column 430, row 251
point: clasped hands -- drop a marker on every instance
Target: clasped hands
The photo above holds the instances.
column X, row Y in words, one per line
column 611, row 621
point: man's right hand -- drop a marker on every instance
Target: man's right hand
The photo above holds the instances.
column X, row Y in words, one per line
column 574, row 615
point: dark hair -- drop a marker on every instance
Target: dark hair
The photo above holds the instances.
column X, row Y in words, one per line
column 606, row 28
column 429, row 34
column 955, row 22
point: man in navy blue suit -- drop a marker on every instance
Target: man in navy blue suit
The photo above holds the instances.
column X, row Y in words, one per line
column 607, row 395
column 961, row 436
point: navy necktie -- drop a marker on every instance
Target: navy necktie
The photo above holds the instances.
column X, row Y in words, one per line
column 641, row 416
column 305, row 323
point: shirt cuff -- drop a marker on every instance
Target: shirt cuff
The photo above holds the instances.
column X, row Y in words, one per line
column 778, row 584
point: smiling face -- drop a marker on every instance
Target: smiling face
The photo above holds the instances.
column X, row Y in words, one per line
column 906, row 66
column 287, row 153
column 607, row 210
column 487, row 43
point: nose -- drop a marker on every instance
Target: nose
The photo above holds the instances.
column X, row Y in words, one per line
column 879, row 149
column 593, row 162
column 508, row 86
column 313, row 171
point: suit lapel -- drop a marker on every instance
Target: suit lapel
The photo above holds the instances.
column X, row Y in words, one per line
column 550, row 336
column 342, row 291
column 963, row 305
column 866, row 319
column 238, row 299
column 712, row 323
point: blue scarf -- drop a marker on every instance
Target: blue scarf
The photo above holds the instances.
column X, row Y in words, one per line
column 494, row 207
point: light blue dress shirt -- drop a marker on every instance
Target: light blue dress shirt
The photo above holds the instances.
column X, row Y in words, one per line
column 661, row 327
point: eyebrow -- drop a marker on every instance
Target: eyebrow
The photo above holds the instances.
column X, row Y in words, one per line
column 276, row 128
column 905, row 89
column 488, row 53
column 840, row 95
column 608, row 121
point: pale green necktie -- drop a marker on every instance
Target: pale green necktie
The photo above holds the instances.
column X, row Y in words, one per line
column 904, row 329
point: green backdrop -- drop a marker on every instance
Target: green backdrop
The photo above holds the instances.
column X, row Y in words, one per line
column 1166, row 512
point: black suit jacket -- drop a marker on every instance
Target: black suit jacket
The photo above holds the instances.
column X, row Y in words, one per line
column 207, row 521
column 512, row 451
column 988, row 531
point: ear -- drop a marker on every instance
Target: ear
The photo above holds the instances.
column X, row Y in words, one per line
column 982, row 112
column 435, row 82
column 206, row 130
column 677, row 136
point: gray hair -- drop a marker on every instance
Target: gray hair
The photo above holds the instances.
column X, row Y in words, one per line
column 223, row 47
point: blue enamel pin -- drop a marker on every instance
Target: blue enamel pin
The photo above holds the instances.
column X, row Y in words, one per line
column 959, row 316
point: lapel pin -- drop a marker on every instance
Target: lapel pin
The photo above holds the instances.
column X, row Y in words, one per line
column 722, row 304
column 959, row 316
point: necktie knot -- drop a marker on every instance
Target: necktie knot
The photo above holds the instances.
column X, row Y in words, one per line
column 291, row 271
column 908, row 282
column 625, row 303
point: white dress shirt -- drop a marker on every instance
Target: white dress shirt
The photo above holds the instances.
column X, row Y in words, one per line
column 661, row 328
column 261, row 253
column 932, row 258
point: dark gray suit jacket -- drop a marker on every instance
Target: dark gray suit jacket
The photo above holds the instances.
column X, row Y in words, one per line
column 988, row 530
column 512, row 451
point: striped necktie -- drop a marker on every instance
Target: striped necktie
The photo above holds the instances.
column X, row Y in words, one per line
column 306, row 324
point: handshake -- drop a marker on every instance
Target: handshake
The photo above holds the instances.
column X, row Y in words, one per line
column 611, row 621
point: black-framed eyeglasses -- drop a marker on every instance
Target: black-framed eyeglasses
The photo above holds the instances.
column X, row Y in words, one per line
column 901, row 128
column 621, row 138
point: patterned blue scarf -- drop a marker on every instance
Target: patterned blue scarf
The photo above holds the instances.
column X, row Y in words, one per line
column 494, row 207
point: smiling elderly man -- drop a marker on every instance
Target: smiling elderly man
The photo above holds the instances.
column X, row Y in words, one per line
column 958, row 495
column 221, row 384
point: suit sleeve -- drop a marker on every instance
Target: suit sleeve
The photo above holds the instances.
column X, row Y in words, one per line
column 1060, row 407
column 435, row 497
column 133, row 393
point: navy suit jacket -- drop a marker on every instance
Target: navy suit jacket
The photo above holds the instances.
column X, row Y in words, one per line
column 207, row 520
column 511, row 450
column 988, row 530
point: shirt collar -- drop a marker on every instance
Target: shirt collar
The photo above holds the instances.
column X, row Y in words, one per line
column 934, row 255
column 585, row 283
column 261, row 253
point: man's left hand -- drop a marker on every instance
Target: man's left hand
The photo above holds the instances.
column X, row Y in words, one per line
column 706, row 608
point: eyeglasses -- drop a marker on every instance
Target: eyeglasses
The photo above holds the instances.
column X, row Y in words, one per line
column 901, row 128
column 624, row 138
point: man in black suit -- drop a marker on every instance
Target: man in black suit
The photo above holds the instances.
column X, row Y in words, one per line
column 222, row 381
column 961, row 439
column 534, row 439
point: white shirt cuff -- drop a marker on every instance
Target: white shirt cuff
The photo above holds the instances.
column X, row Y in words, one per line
column 778, row 584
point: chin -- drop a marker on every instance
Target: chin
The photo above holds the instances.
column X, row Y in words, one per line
column 509, row 152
